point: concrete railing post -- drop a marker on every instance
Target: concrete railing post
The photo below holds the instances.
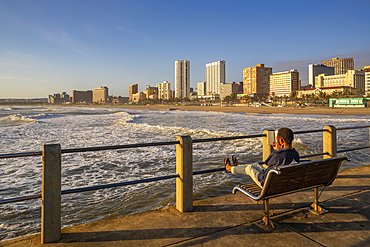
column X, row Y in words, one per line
column 51, row 194
column 266, row 143
column 184, row 168
column 330, row 141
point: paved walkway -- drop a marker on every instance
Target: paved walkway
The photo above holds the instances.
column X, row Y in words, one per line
column 233, row 220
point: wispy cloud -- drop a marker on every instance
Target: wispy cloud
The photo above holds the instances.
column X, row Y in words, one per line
column 130, row 29
column 56, row 34
column 134, row 33
column 6, row 77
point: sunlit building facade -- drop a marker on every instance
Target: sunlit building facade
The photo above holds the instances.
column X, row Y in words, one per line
column 283, row 83
column 256, row 80
column 353, row 78
column 164, row 90
column 100, row 95
column 132, row 90
column 182, row 79
column 341, row 65
column 215, row 74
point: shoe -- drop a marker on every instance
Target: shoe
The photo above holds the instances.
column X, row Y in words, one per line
column 235, row 161
column 227, row 162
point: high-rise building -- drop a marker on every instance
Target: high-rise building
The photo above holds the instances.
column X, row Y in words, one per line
column 353, row 78
column 202, row 88
column 182, row 79
column 256, row 80
column 82, row 96
column 215, row 74
column 317, row 69
column 367, row 82
column 227, row 89
column 132, row 90
column 100, row 95
column 283, row 83
column 341, row 65
column 151, row 92
column 164, row 90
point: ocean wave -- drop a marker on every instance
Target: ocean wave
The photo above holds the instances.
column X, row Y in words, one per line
column 17, row 118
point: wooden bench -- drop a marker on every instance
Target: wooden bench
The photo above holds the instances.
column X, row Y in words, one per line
column 291, row 179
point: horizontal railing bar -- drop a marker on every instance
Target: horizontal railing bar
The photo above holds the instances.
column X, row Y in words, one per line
column 227, row 138
column 20, row 199
column 352, row 149
column 313, row 155
column 350, row 128
column 209, row 171
column 17, row 155
column 79, row 150
column 106, row 186
column 309, row 131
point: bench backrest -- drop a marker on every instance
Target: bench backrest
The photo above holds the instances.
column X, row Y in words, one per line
column 303, row 176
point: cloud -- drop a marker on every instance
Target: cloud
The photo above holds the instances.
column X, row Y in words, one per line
column 6, row 77
column 131, row 31
column 60, row 36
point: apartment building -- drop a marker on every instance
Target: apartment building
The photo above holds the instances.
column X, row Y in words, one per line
column 82, row 96
column 353, row 78
column 228, row 88
column 100, row 95
column 215, row 75
column 256, row 80
column 182, row 79
column 283, row 83
column 202, row 88
column 367, row 82
column 164, row 90
column 133, row 89
column 341, row 65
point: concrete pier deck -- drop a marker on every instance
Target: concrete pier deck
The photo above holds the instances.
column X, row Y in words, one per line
column 233, row 220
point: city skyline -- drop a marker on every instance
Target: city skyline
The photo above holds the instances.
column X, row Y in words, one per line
column 50, row 47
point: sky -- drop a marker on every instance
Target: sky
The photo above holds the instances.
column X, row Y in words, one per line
column 50, row 46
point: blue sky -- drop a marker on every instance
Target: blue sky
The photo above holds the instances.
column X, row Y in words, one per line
column 53, row 46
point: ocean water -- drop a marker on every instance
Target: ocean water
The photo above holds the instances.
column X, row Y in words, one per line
column 26, row 129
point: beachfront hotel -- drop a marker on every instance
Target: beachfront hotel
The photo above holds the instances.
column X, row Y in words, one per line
column 215, row 74
column 283, row 83
column 182, row 79
column 100, row 95
column 341, row 65
column 133, row 89
column 353, row 78
column 164, row 90
column 82, row 96
column 256, row 80
column 201, row 88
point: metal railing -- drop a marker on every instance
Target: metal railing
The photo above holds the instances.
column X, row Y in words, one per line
column 184, row 171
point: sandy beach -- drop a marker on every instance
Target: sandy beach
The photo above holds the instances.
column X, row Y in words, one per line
column 252, row 110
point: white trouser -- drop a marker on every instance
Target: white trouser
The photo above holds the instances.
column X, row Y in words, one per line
column 252, row 170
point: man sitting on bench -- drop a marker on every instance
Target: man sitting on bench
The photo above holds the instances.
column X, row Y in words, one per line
column 284, row 154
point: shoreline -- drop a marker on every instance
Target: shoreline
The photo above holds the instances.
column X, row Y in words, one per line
column 239, row 109
column 248, row 110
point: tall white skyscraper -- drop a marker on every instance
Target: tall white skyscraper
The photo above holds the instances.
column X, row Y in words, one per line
column 182, row 79
column 215, row 74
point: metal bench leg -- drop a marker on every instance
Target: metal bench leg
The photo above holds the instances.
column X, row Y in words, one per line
column 266, row 219
column 315, row 207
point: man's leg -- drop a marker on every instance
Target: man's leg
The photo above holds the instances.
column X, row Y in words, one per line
column 251, row 170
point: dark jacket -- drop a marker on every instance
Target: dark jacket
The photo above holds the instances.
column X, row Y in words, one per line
column 282, row 157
